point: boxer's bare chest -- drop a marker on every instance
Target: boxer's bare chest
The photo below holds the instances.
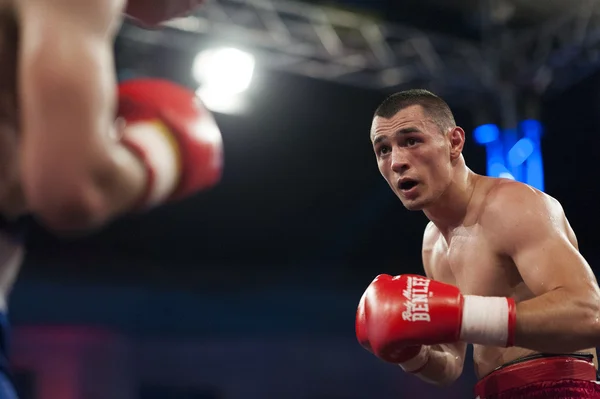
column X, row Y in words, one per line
column 469, row 260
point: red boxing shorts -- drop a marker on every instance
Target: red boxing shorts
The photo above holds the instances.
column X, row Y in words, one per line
column 542, row 377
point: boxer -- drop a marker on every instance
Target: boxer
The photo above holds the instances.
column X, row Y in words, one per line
column 78, row 150
column 502, row 270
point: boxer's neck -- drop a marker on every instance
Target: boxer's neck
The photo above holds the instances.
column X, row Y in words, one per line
column 451, row 208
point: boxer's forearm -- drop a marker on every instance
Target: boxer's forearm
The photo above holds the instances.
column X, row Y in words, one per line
column 67, row 105
column 105, row 197
column 444, row 365
column 127, row 184
column 559, row 321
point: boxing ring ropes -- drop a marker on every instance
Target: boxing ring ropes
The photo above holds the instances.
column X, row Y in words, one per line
column 501, row 78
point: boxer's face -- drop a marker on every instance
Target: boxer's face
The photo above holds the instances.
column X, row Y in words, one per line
column 413, row 156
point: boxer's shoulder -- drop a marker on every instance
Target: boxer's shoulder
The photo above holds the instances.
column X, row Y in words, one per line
column 509, row 209
column 434, row 251
column 508, row 198
column 430, row 236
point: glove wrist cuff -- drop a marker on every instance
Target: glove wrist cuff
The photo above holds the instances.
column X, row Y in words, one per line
column 488, row 321
column 152, row 144
column 417, row 363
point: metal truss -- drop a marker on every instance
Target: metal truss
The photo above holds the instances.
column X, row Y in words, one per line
column 560, row 53
column 329, row 44
column 350, row 48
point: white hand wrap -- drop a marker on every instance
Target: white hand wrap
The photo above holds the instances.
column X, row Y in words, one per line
column 488, row 321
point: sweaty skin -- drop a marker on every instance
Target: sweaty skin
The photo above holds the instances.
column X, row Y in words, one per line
column 489, row 237
column 58, row 137
column 57, row 55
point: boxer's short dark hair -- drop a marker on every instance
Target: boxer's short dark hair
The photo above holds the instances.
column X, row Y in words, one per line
column 434, row 106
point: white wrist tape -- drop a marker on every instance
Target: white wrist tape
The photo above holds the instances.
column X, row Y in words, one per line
column 487, row 321
column 417, row 362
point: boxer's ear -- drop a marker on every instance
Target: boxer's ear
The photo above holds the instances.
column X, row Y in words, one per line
column 456, row 139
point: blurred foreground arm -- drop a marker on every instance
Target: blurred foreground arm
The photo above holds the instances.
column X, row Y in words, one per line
column 77, row 172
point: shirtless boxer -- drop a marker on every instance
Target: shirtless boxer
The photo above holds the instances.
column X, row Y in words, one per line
column 503, row 270
column 76, row 149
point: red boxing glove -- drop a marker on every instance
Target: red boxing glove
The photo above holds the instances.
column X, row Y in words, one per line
column 396, row 313
column 174, row 135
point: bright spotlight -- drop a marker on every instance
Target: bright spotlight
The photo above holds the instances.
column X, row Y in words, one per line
column 226, row 70
column 217, row 101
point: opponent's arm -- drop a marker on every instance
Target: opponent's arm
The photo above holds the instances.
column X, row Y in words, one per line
column 534, row 232
column 74, row 174
column 440, row 364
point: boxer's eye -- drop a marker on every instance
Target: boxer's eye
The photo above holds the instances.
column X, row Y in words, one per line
column 384, row 149
column 411, row 141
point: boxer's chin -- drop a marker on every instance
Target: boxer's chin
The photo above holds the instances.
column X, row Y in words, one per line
column 416, row 202
column 413, row 205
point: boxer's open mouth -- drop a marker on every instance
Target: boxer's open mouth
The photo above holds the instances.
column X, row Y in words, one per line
column 407, row 185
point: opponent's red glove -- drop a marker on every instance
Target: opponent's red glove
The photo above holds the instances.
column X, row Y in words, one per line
column 174, row 135
column 397, row 313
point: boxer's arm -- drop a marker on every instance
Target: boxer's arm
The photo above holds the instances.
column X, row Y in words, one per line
column 533, row 230
column 75, row 175
column 443, row 363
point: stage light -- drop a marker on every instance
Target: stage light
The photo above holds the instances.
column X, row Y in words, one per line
column 511, row 157
column 218, row 101
column 226, row 70
column 520, row 152
column 533, row 130
column 499, row 170
column 486, row 133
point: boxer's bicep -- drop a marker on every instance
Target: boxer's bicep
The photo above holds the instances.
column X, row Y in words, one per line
column 531, row 229
column 66, row 88
column 547, row 260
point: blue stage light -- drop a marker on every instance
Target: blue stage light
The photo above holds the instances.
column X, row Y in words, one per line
column 486, row 133
column 520, row 152
column 514, row 153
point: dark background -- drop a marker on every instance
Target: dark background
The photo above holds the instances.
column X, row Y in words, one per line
column 301, row 194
